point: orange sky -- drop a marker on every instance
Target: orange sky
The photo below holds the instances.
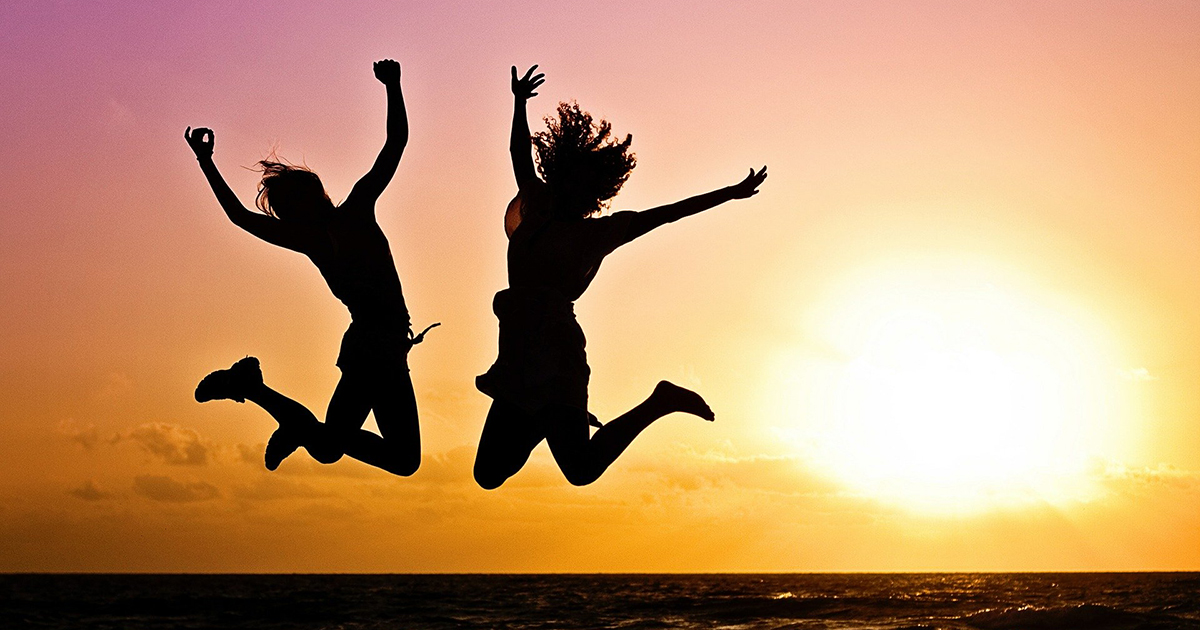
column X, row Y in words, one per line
column 1046, row 153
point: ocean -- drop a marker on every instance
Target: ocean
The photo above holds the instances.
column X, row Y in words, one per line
column 728, row 601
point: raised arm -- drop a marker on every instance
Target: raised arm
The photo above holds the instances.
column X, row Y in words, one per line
column 646, row 220
column 267, row 228
column 368, row 189
column 518, row 144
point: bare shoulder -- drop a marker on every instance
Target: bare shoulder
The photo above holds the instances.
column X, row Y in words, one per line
column 530, row 200
column 354, row 207
column 612, row 220
column 535, row 191
column 610, row 231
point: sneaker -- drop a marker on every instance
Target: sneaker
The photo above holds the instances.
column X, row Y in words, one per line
column 282, row 443
column 230, row 384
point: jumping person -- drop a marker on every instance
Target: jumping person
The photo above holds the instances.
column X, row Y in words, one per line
column 352, row 254
column 539, row 381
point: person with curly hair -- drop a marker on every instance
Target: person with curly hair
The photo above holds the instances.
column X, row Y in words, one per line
column 539, row 381
column 347, row 246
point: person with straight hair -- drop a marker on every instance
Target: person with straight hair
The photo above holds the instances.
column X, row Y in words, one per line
column 347, row 246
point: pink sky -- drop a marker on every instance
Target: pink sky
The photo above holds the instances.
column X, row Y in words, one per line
column 1057, row 143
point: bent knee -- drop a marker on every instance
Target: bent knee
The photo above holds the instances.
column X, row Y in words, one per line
column 489, row 481
column 581, row 476
column 325, row 454
column 489, row 478
column 404, row 466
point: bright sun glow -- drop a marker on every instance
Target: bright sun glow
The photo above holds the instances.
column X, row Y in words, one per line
column 954, row 394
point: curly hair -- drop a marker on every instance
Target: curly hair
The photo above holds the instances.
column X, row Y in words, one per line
column 286, row 183
column 582, row 165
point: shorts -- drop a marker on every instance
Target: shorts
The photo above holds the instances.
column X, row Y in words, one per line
column 374, row 348
column 542, row 359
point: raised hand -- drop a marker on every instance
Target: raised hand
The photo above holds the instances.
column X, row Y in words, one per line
column 387, row 71
column 524, row 87
column 201, row 141
column 749, row 187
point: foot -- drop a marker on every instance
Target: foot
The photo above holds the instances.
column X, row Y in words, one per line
column 283, row 442
column 676, row 398
column 231, row 384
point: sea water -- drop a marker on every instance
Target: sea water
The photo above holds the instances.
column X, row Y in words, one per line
column 929, row 601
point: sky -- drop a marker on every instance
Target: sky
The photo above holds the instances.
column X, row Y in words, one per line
column 957, row 330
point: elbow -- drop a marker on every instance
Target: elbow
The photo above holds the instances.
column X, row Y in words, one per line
column 395, row 142
column 238, row 216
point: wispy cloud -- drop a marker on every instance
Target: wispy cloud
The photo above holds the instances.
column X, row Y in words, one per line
column 274, row 488
column 251, row 454
column 690, row 470
column 85, row 435
column 89, row 491
column 173, row 444
column 1162, row 474
column 114, row 386
column 168, row 490
column 1140, row 374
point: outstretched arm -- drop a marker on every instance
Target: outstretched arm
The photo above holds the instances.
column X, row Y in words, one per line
column 267, row 228
column 372, row 184
column 646, row 220
column 518, row 144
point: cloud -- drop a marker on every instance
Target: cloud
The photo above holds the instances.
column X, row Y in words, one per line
column 251, row 454
column 689, row 470
column 114, row 386
column 1138, row 375
column 168, row 490
column 1160, row 475
column 273, row 488
column 89, row 491
column 450, row 467
column 176, row 445
column 300, row 464
column 86, row 436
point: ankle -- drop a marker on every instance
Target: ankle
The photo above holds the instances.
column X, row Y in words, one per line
column 254, row 391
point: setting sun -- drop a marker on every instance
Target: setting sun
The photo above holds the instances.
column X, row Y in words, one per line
column 957, row 329
column 959, row 394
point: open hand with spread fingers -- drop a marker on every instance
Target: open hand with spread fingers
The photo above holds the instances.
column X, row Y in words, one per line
column 523, row 88
column 749, row 187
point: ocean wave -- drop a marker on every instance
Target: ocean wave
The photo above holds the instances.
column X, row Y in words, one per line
column 1092, row 616
column 613, row 602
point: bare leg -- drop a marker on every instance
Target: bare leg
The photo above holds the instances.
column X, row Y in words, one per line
column 353, row 399
column 387, row 389
column 395, row 406
column 583, row 459
column 509, row 436
column 328, row 443
column 391, row 397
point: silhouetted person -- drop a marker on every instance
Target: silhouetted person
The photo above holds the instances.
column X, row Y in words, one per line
column 351, row 251
column 539, row 380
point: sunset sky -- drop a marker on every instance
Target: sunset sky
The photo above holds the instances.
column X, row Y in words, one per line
column 958, row 329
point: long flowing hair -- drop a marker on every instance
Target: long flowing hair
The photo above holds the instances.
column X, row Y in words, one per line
column 286, row 183
column 582, row 164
